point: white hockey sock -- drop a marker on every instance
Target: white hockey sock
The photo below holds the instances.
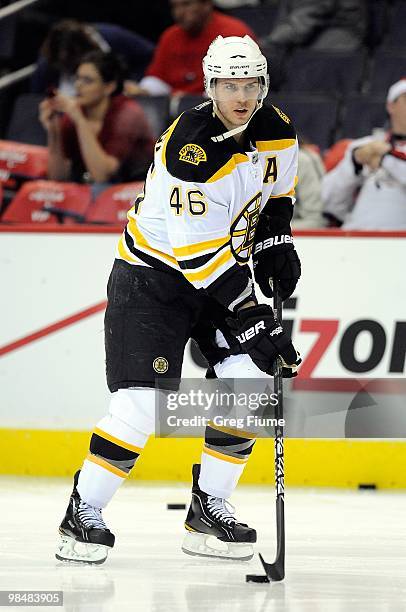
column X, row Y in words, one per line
column 97, row 485
column 125, row 431
column 219, row 477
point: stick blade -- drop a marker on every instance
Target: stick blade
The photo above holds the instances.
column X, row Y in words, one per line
column 275, row 571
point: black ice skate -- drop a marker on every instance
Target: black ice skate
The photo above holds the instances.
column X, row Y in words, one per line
column 84, row 535
column 212, row 528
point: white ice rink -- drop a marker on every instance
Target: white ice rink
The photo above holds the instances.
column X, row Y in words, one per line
column 345, row 551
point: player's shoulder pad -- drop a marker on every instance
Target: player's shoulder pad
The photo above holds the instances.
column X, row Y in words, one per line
column 271, row 123
column 191, row 155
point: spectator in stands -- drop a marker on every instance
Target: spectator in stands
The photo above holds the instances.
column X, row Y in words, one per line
column 308, row 207
column 367, row 189
column 176, row 67
column 333, row 25
column 69, row 40
column 98, row 136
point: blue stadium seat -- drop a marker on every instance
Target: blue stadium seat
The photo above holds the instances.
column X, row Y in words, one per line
column 314, row 116
column 396, row 35
column 362, row 113
column 157, row 110
column 184, row 103
column 277, row 59
column 388, row 67
column 260, row 19
column 24, row 125
column 327, row 72
column 378, row 15
column 7, row 36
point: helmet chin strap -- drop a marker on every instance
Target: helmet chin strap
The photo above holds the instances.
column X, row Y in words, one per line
column 236, row 130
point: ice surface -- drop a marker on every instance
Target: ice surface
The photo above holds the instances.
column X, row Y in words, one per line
column 346, row 550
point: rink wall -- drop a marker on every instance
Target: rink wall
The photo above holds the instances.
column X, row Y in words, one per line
column 347, row 318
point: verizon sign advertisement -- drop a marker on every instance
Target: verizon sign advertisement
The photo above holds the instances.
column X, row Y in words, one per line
column 347, row 317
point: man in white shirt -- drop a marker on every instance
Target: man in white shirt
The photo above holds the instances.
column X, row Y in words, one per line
column 367, row 189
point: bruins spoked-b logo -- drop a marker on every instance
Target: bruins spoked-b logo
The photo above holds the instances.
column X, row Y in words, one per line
column 243, row 229
column 160, row 365
column 192, row 154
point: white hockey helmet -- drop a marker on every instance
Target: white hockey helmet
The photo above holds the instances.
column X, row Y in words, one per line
column 235, row 57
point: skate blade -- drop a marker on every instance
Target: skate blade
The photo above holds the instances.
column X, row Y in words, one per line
column 203, row 545
column 70, row 550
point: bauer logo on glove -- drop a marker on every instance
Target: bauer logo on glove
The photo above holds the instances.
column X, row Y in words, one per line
column 273, row 241
column 274, row 255
column 250, row 332
column 263, row 338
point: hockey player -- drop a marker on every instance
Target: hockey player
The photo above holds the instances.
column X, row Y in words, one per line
column 221, row 184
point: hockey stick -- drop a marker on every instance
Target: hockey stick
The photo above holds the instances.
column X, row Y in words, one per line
column 275, row 572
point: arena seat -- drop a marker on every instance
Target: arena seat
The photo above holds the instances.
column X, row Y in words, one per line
column 362, row 113
column 260, row 19
column 113, row 204
column 277, row 58
column 20, row 162
column 396, row 34
column 388, row 67
column 156, row 109
column 337, row 73
column 49, row 202
column 8, row 27
column 314, row 116
column 184, row 103
column 378, row 16
column 24, row 125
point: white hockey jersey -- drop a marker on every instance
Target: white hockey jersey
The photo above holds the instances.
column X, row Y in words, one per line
column 368, row 200
column 202, row 199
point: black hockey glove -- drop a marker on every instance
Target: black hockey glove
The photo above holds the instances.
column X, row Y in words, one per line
column 262, row 337
column 274, row 256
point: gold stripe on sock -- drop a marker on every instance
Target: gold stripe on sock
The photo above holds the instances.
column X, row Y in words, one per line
column 110, row 438
column 228, row 458
column 239, row 433
column 106, row 465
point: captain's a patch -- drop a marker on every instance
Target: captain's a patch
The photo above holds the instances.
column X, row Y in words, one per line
column 192, row 154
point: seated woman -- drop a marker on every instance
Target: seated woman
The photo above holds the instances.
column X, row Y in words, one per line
column 98, row 136
column 68, row 41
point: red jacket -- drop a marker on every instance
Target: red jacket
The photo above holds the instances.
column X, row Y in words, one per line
column 178, row 55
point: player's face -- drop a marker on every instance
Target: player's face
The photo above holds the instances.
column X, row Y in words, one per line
column 236, row 100
column 89, row 86
column 190, row 14
column 397, row 112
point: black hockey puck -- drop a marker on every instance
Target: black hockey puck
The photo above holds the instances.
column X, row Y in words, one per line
column 256, row 578
column 176, row 506
column 367, row 486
